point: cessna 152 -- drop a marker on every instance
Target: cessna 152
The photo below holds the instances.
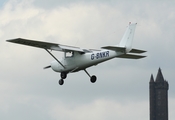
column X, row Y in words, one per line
column 76, row 59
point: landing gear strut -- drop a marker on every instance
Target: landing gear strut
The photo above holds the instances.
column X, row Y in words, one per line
column 63, row 76
column 93, row 78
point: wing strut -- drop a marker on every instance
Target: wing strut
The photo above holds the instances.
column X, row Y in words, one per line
column 55, row 58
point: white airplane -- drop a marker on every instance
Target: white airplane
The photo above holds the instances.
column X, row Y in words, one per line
column 76, row 59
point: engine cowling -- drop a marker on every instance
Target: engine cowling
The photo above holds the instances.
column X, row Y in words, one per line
column 56, row 66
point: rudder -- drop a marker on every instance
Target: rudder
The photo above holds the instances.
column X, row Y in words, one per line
column 127, row 38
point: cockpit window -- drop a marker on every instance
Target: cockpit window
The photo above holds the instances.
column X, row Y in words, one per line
column 69, row 54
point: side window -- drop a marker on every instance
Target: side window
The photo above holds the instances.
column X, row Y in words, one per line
column 69, row 54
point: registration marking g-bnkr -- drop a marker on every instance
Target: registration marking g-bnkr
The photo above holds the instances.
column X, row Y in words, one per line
column 100, row 55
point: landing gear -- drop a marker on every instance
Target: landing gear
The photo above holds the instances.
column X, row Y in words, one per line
column 63, row 76
column 93, row 78
column 61, row 81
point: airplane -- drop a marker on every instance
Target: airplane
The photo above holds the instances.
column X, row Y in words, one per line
column 76, row 58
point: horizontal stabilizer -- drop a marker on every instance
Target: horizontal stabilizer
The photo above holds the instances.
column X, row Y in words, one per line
column 122, row 49
column 131, row 56
column 137, row 51
column 114, row 48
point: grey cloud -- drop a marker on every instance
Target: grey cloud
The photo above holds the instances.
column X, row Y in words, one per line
column 52, row 3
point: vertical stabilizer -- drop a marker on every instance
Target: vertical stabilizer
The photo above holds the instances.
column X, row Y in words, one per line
column 127, row 38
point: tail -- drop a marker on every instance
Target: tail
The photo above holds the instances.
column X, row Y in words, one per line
column 127, row 38
column 125, row 45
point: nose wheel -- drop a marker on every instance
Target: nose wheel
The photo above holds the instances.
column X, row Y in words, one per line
column 63, row 76
column 61, row 81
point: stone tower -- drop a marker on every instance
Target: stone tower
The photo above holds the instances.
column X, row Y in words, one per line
column 158, row 90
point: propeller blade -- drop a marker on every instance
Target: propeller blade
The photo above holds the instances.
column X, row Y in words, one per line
column 47, row 67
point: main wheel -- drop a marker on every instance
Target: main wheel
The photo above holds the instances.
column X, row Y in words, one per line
column 61, row 81
column 63, row 75
column 93, row 79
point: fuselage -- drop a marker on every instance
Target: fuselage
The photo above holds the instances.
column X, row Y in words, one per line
column 79, row 61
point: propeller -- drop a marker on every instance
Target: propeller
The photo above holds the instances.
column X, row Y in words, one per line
column 47, row 67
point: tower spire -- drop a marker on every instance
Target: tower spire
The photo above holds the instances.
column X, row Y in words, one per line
column 152, row 78
column 159, row 77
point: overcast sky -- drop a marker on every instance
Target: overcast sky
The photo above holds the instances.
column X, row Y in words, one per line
column 122, row 88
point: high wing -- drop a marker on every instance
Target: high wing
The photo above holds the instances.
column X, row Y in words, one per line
column 47, row 45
